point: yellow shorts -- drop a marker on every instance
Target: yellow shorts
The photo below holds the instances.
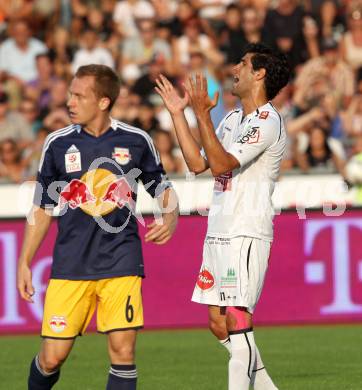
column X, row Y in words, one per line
column 70, row 304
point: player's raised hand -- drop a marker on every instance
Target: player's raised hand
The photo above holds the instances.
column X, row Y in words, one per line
column 173, row 101
column 25, row 285
column 197, row 91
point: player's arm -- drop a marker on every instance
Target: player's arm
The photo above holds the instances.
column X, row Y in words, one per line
column 35, row 232
column 161, row 230
column 176, row 105
column 38, row 220
column 159, row 187
column 219, row 160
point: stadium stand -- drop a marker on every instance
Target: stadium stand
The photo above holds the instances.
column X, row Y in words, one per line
column 42, row 43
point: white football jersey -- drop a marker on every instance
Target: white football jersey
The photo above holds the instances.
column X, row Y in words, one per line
column 241, row 202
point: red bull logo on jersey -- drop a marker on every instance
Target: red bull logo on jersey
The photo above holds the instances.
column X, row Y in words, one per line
column 120, row 194
column 205, row 280
column 58, row 324
column 97, row 193
column 75, row 194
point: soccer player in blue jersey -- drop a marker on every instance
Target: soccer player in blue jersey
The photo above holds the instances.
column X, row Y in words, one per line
column 96, row 164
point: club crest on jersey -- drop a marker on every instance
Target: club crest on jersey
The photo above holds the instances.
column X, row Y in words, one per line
column 73, row 160
column 205, row 280
column 251, row 137
column 263, row 114
column 58, row 324
column 121, row 155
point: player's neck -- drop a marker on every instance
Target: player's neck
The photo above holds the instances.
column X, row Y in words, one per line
column 98, row 126
column 250, row 104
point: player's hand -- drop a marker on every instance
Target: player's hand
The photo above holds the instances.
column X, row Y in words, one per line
column 161, row 231
column 25, row 285
column 173, row 101
column 197, row 91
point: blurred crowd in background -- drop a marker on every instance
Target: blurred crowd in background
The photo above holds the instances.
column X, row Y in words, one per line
column 42, row 43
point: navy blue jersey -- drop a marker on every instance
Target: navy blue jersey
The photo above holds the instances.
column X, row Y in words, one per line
column 94, row 181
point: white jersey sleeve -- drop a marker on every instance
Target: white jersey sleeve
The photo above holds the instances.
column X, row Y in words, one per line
column 261, row 134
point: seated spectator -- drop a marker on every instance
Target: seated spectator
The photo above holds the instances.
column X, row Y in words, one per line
column 12, row 124
column 145, row 85
column 91, row 52
column 15, row 10
column 61, row 52
column 352, row 117
column 184, row 12
column 320, row 151
column 147, row 46
column 57, row 119
column 165, row 11
column 194, row 40
column 212, row 11
column 100, row 23
column 39, row 88
column 325, row 13
column 164, row 144
column 30, row 112
column 13, row 168
column 127, row 12
column 18, row 53
column 232, row 38
column 283, row 28
column 146, row 119
column 199, row 63
column 251, row 23
column 327, row 74
column 126, row 107
column 351, row 42
column 227, row 102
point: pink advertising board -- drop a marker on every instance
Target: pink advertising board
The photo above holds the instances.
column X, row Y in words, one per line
column 315, row 274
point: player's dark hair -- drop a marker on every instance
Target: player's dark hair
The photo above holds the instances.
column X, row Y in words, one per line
column 275, row 64
column 106, row 81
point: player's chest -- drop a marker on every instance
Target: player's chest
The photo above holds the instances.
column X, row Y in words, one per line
column 74, row 159
column 235, row 129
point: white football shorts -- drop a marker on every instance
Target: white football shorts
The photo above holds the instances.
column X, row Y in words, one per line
column 232, row 272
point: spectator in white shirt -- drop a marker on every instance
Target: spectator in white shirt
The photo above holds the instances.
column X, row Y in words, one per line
column 91, row 52
column 127, row 12
column 18, row 53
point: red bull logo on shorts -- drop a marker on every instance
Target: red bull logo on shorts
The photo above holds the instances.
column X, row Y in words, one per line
column 58, row 324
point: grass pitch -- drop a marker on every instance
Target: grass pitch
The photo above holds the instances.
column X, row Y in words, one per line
column 298, row 358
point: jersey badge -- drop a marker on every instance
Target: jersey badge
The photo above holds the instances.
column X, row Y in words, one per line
column 264, row 114
column 121, row 155
column 73, row 160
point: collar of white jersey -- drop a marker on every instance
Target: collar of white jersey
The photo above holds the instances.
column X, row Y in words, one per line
column 260, row 109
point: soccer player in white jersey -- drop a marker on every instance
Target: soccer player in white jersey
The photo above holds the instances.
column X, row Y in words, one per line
column 244, row 155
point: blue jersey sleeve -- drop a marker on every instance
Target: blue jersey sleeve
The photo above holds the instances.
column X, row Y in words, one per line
column 153, row 175
column 45, row 194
